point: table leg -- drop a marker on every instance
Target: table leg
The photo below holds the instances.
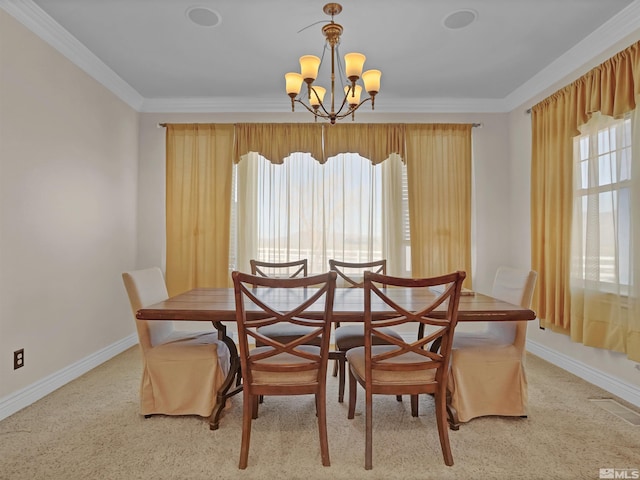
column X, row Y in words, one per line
column 452, row 414
column 234, row 376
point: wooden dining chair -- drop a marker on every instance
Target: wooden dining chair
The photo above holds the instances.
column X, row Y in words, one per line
column 181, row 370
column 403, row 368
column 488, row 375
column 283, row 367
column 294, row 269
column 351, row 275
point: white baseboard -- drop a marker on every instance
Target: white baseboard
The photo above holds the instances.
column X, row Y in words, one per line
column 620, row 388
column 34, row 392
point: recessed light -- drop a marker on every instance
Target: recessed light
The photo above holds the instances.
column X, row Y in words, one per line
column 460, row 19
column 203, row 16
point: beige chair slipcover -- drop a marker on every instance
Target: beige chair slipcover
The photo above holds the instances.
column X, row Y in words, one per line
column 181, row 370
column 488, row 368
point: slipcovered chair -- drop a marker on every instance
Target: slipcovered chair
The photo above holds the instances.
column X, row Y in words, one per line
column 292, row 367
column 488, row 374
column 405, row 368
column 181, row 371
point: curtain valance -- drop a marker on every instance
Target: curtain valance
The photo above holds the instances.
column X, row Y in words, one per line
column 610, row 88
column 276, row 141
column 375, row 141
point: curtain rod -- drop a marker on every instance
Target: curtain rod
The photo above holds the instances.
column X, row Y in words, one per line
column 474, row 125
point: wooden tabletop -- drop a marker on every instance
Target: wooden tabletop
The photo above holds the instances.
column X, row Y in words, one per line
column 218, row 304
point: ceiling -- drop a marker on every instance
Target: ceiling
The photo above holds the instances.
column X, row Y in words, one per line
column 151, row 54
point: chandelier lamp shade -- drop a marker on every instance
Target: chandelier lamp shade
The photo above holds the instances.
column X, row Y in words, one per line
column 353, row 66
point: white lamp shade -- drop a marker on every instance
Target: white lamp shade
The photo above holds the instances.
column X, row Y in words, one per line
column 353, row 99
column 317, row 100
column 294, row 83
column 371, row 79
column 309, row 65
column 354, row 62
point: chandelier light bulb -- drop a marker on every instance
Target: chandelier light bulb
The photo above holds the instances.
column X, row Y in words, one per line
column 318, row 97
column 293, row 83
column 371, row 79
column 353, row 65
column 309, row 65
column 353, row 94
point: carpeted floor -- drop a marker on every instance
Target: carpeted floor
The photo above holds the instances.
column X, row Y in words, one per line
column 90, row 429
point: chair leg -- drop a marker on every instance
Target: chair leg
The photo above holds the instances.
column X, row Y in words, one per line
column 335, row 368
column 443, row 430
column 254, row 406
column 247, row 413
column 352, row 396
column 414, row 405
column 368, row 449
column 321, row 412
column 341, row 362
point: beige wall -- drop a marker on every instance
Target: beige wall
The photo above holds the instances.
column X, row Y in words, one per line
column 68, row 187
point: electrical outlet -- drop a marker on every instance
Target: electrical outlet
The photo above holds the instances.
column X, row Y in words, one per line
column 18, row 359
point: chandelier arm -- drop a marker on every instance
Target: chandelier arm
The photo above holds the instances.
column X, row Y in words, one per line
column 321, row 104
column 315, row 112
column 344, row 101
column 338, row 114
column 352, row 110
column 333, row 114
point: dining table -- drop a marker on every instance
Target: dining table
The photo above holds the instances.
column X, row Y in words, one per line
column 217, row 305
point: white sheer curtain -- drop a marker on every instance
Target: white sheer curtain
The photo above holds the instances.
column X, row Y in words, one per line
column 605, row 237
column 346, row 208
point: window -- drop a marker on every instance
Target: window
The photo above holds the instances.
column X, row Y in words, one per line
column 602, row 207
column 346, row 209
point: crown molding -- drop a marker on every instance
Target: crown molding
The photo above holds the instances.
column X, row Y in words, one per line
column 33, row 17
column 281, row 104
column 615, row 29
column 40, row 23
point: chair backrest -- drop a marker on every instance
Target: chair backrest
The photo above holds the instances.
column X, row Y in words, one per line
column 296, row 268
column 253, row 311
column 146, row 287
column 514, row 286
column 439, row 328
column 351, row 274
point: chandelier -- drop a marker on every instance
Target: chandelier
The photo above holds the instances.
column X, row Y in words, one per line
column 354, row 63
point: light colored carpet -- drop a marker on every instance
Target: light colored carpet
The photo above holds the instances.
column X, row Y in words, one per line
column 90, row 429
